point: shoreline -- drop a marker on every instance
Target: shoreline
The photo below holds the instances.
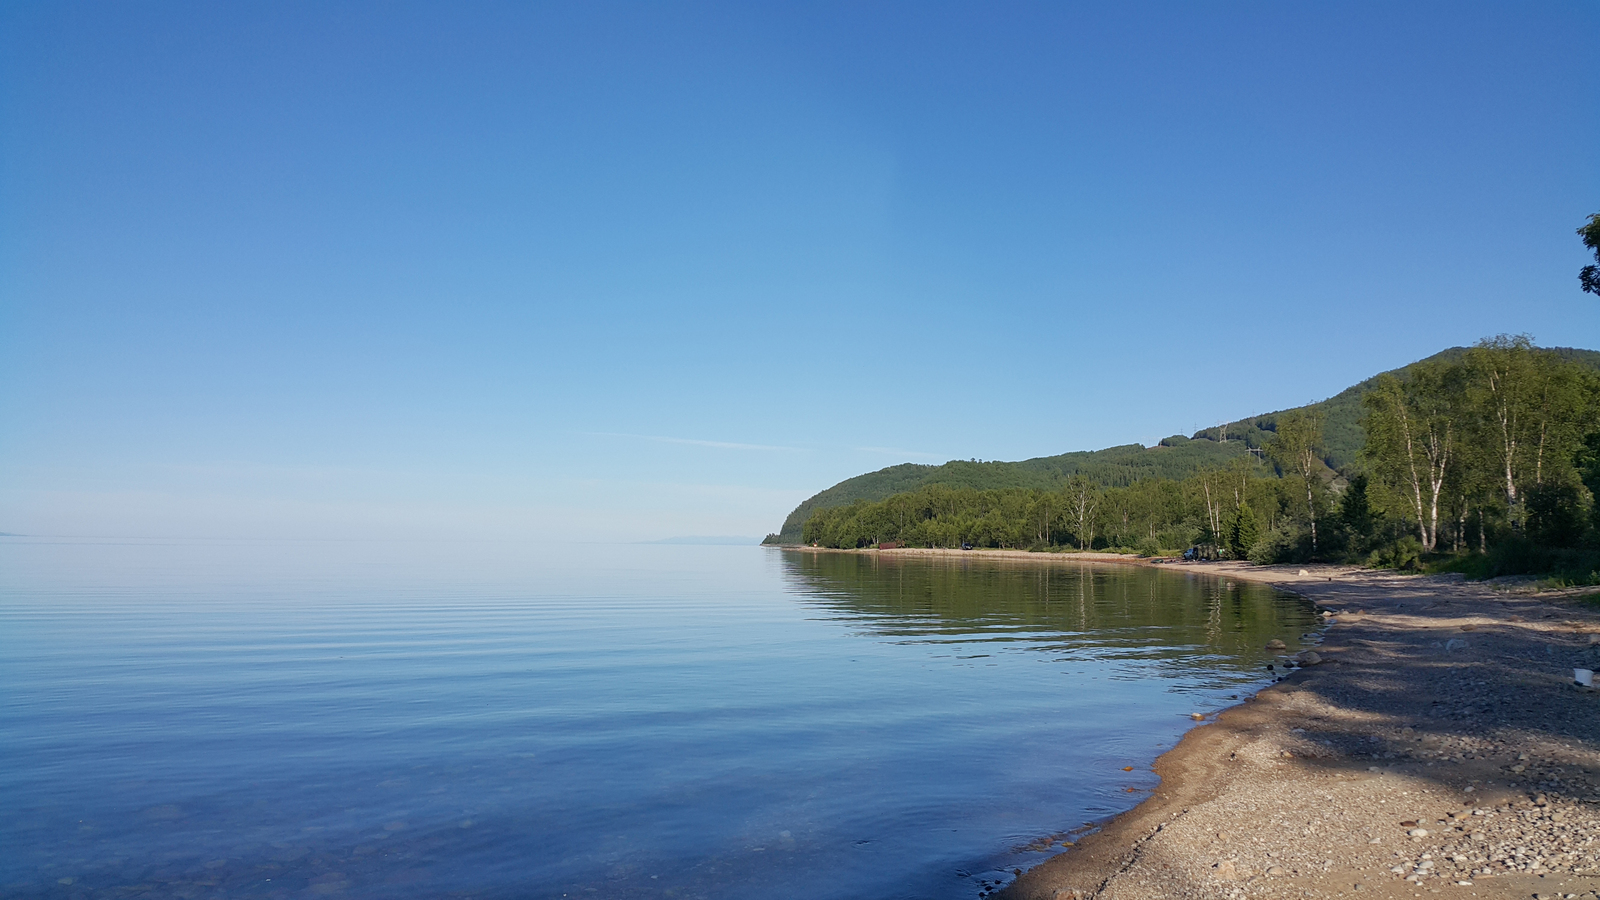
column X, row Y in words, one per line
column 983, row 553
column 1439, row 703
column 1439, row 747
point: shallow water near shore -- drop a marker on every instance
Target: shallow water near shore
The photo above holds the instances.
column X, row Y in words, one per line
column 358, row 719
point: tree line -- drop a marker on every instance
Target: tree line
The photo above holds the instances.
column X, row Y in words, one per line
column 1489, row 462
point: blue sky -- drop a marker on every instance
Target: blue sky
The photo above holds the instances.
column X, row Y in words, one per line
column 624, row 271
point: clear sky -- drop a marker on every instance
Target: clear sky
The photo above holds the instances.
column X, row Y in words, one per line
column 626, row 271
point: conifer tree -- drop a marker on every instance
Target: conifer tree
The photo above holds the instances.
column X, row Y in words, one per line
column 1243, row 531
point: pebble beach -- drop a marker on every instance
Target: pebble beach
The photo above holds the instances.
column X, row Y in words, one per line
column 1436, row 742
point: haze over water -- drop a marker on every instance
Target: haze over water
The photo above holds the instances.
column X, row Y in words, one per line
column 366, row 719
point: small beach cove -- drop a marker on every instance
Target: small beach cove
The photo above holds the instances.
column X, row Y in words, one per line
column 1439, row 747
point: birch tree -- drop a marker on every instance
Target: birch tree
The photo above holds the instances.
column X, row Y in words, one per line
column 1083, row 498
column 1411, row 436
column 1044, row 517
column 1297, row 449
column 1499, row 388
column 1560, row 393
column 1213, row 505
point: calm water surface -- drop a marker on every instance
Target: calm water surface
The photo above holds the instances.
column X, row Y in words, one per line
column 320, row 719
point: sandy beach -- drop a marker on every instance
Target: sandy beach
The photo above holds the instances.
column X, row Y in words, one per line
column 1436, row 744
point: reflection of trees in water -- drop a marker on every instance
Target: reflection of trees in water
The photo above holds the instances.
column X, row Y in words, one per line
column 1110, row 609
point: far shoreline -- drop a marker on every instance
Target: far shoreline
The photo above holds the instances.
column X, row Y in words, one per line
column 985, row 553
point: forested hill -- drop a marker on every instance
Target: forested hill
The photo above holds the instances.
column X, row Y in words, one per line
column 1341, row 413
column 1175, row 457
column 1114, row 466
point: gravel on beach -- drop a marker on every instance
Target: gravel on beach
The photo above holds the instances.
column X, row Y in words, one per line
column 1435, row 743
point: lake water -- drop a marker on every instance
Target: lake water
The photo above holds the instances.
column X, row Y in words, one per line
column 387, row 720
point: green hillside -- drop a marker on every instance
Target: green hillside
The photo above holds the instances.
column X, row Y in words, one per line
column 1175, row 457
column 1341, row 427
column 1114, row 466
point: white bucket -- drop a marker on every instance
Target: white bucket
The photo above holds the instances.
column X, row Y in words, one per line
column 1584, row 677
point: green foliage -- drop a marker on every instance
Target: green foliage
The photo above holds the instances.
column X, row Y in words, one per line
column 1519, row 555
column 1174, row 458
column 1405, row 553
column 1276, row 546
column 1355, row 507
column 1243, row 531
column 1486, row 459
column 1589, row 276
column 1154, row 513
column 1555, row 514
column 1297, row 450
column 1179, row 536
column 1587, row 464
column 1343, row 435
column 940, row 516
column 1475, row 566
column 1413, row 429
column 1497, row 449
column 1351, row 526
column 1112, row 467
column 1460, row 448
